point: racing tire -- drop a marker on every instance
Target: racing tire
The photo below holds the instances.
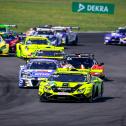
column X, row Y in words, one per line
column 76, row 41
column 91, row 98
column 67, row 41
column 43, row 99
column 102, row 90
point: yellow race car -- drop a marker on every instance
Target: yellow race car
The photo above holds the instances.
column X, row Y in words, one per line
column 34, row 44
column 4, row 47
column 70, row 84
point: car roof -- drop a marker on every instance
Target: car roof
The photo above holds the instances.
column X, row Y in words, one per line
column 60, row 28
column 45, row 29
column 81, row 55
column 71, row 71
column 51, row 60
column 34, row 37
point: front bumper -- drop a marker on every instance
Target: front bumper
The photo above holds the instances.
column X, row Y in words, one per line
column 112, row 41
column 31, row 82
column 4, row 51
column 64, row 96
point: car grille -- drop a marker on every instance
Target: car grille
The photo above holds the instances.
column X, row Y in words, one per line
column 115, row 39
column 65, row 89
column 35, row 82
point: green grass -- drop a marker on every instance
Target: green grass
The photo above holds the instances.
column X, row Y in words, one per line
column 30, row 13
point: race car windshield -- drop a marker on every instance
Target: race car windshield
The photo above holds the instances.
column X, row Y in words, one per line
column 123, row 31
column 77, row 62
column 60, row 31
column 43, row 65
column 49, row 53
column 45, row 33
column 6, row 36
column 2, row 29
column 68, row 78
column 37, row 41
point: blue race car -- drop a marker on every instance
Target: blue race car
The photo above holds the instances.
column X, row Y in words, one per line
column 117, row 37
column 31, row 73
column 66, row 34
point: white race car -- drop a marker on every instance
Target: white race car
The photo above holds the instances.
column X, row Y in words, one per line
column 68, row 36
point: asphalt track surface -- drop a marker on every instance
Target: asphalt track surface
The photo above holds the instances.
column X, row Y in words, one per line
column 21, row 107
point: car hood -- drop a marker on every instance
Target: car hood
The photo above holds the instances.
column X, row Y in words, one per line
column 114, row 34
column 40, row 73
column 48, row 36
column 36, row 46
column 66, row 84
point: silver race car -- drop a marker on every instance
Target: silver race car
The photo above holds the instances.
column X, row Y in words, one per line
column 68, row 36
column 31, row 73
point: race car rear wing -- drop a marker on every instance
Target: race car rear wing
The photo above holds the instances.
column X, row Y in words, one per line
column 44, row 26
column 78, row 28
column 51, row 26
column 12, row 26
column 64, row 27
column 80, row 55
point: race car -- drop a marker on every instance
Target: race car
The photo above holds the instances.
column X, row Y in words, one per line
column 50, row 34
column 35, row 69
column 4, row 47
column 86, row 61
column 66, row 34
column 117, row 37
column 31, row 45
column 51, row 52
column 6, row 28
column 12, row 40
column 72, row 84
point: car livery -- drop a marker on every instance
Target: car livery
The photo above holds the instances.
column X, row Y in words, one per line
column 31, row 73
column 67, row 35
column 117, row 37
column 86, row 61
column 70, row 84
column 4, row 47
column 31, row 45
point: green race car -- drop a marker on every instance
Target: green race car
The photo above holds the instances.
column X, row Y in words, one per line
column 72, row 84
column 6, row 28
column 34, row 46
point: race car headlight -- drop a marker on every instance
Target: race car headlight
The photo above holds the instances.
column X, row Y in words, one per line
column 3, row 47
column 81, row 90
column 107, row 37
column 25, row 75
